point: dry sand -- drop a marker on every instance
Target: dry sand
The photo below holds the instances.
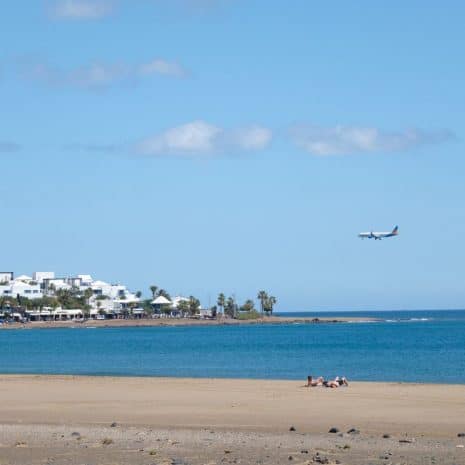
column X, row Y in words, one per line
column 213, row 421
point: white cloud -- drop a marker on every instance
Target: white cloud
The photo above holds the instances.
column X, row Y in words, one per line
column 251, row 138
column 342, row 140
column 201, row 138
column 7, row 146
column 100, row 75
column 82, row 9
column 162, row 67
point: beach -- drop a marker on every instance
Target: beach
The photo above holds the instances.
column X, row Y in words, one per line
column 108, row 420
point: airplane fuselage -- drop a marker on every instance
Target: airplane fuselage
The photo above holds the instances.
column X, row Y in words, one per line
column 379, row 235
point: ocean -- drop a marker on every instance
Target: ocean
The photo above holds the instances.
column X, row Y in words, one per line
column 409, row 346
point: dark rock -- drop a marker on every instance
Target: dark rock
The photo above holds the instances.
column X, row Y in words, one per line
column 407, row 441
column 386, row 436
column 114, row 424
column 461, row 435
column 291, row 428
column 333, row 430
column 75, row 434
column 290, row 458
column 304, row 451
column 353, row 431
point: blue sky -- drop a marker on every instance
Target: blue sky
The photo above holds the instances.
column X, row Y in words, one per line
column 208, row 145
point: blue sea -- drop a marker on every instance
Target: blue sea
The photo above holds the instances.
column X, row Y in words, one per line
column 419, row 346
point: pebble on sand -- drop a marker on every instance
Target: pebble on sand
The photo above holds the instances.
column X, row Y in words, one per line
column 333, row 430
column 353, row 431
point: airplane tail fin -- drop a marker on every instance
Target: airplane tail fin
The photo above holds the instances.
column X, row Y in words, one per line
column 395, row 230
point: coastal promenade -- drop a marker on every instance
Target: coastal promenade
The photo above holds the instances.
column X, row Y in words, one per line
column 200, row 421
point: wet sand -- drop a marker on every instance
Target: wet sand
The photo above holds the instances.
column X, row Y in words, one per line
column 200, row 421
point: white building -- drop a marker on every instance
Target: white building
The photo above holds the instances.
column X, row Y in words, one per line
column 6, row 277
column 112, row 299
column 23, row 286
column 39, row 276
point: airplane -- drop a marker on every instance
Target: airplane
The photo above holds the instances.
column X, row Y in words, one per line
column 379, row 235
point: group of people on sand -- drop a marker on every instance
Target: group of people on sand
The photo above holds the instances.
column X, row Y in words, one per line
column 332, row 383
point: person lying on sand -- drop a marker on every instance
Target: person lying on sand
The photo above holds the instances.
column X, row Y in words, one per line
column 320, row 381
column 336, row 382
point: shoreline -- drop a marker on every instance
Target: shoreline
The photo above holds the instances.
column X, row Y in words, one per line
column 164, row 322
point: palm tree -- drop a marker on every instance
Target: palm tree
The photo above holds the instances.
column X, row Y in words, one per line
column 88, row 293
column 194, row 305
column 262, row 296
column 270, row 302
column 164, row 294
column 230, row 307
column 221, row 301
column 138, row 294
column 154, row 290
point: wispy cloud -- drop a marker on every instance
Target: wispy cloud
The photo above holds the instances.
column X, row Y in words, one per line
column 82, row 9
column 100, row 75
column 342, row 140
column 8, row 147
column 199, row 138
column 162, row 67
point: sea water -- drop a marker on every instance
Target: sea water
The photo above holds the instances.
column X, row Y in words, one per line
column 403, row 346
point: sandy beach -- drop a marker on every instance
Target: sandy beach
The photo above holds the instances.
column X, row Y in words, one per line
column 63, row 419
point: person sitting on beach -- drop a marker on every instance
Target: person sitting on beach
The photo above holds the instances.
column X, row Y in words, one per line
column 314, row 382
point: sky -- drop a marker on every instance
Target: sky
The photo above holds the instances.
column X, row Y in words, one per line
column 211, row 146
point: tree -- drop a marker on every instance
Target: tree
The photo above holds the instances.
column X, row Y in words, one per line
column 88, row 293
column 183, row 307
column 153, row 290
column 194, row 305
column 214, row 311
column 164, row 294
column 269, row 304
column 248, row 306
column 138, row 294
column 230, row 307
column 262, row 296
column 221, row 301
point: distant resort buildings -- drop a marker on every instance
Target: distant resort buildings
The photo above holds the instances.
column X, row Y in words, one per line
column 46, row 297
